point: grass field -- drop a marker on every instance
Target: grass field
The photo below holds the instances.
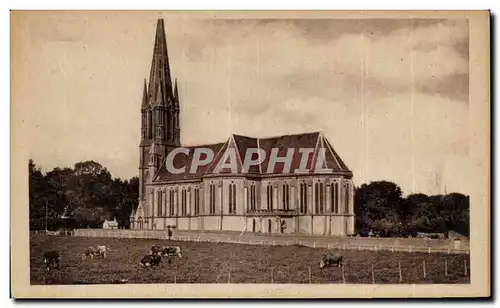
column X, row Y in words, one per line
column 221, row 262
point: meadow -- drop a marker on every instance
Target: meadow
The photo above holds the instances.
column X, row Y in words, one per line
column 207, row 262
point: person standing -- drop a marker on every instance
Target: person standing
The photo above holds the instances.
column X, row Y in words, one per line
column 169, row 232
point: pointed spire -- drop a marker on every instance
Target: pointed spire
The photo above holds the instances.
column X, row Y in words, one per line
column 159, row 96
column 176, row 91
column 176, row 95
column 145, row 96
column 160, row 68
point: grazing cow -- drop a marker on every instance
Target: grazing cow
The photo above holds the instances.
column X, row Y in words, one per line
column 51, row 258
column 101, row 251
column 172, row 251
column 150, row 260
column 89, row 252
column 156, row 250
column 331, row 260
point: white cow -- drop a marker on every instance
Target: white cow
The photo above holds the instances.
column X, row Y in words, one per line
column 101, row 250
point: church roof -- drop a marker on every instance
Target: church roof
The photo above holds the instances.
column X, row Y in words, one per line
column 239, row 144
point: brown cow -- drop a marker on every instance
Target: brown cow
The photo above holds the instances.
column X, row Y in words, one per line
column 331, row 260
column 150, row 260
column 51, row 258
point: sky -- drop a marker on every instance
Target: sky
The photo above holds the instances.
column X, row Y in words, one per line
column 391, row 95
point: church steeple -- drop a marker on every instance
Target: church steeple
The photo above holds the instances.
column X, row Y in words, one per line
column 175, row 119
column 176, row 91
column 159, row 113
column 145, row 96
column 160, row 67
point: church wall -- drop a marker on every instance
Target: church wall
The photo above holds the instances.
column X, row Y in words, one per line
column 194, row 223
column 211, row 223
column 350, row 225
column 338, row 225
column 304, row 224
column 159, row 223
column 320, row 223
column 233, row 223
column 171, row 221
column 183, row 223
column 290, row 225
column 261, row 224
column 307, row 224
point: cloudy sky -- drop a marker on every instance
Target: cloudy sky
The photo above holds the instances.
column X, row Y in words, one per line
column 391, row 95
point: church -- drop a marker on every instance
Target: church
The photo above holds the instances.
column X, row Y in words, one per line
column 256, row 200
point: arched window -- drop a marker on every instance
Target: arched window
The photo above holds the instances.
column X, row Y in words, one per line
column 160, row 203
column 212, row 199
column 334, row 193
column 196, row 201
column 286, row 197
column 269, row 196
column 183, row 202
column 171, row 207
column 141, row 224
column 150, row 125
column 346, row 201
column 303, row 198
column 316, row 198
column 251, row 197
column 232, row 198
column 320, row 198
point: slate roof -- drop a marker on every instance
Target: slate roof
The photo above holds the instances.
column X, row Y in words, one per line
column 239, row 145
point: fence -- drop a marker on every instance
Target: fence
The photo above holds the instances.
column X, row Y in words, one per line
column 442, row 270
column 455, row 269
column 396, row 245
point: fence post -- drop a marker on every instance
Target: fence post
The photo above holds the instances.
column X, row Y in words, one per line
column 272, row 275
column 229, row 276
column 425, row 273
column 446, row 267
column 392, row 248
column 343, row 274
column 314, row 244
column 409, row 248
column 373, row 275
column 175, row 279
column 343, row 246
column 310, row 277
column 400, row 274
column 448, row 250
column 274, row 242
column 429, row 249
column 465, row 267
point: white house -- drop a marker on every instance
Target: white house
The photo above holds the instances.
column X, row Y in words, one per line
column 110, row 224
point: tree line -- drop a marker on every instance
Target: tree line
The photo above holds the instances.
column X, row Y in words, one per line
column 381, row 208
column 86, row 194
column 79, row 197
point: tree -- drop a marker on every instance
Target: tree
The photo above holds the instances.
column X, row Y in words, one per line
column 85, row 194
column 37, row 198
column 376, row 205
